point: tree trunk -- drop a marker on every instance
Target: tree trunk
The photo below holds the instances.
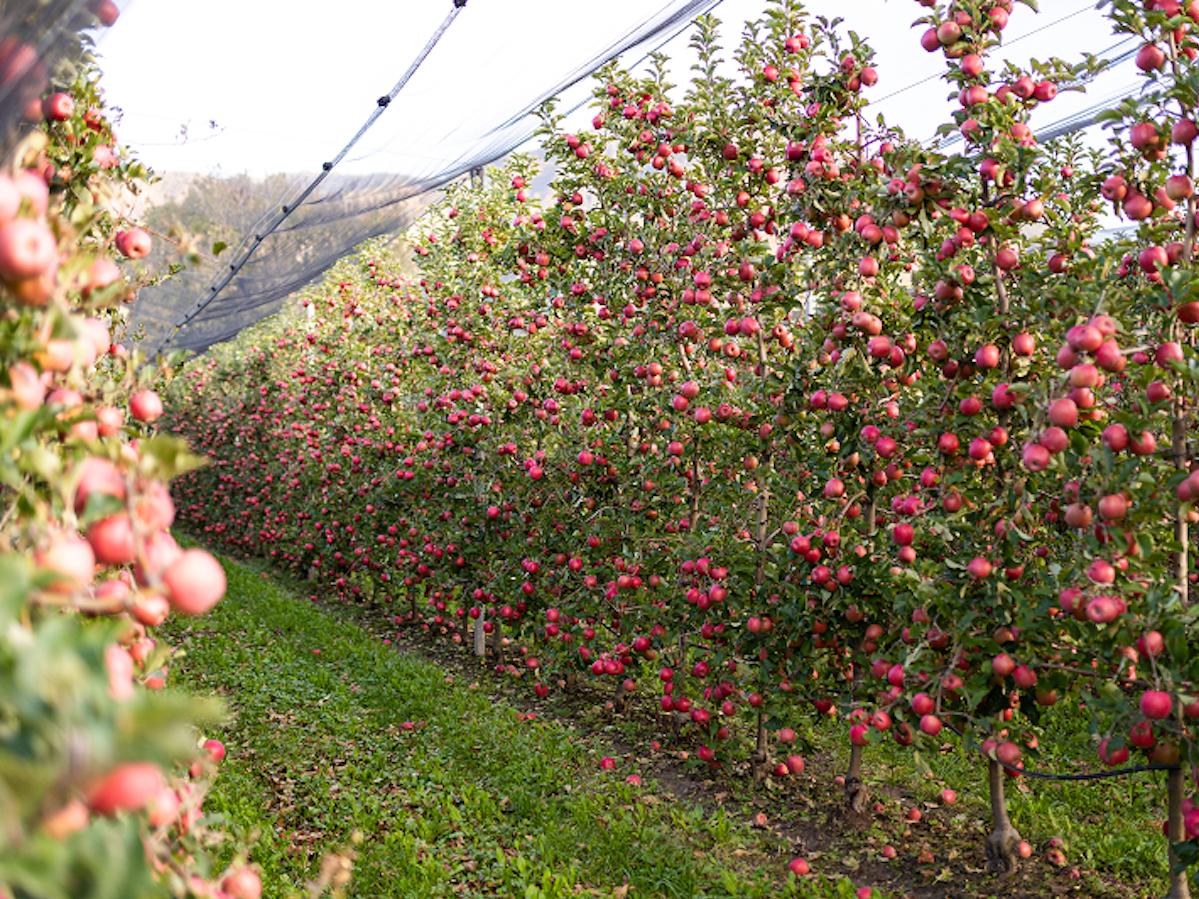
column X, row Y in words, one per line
column 1003, row 843
column 1176, row 833
column 1178, row 446
column 676, row 719
column 480, row 647
column 497, row 642
column 855, row 791
column 620, row 696
column 760, row 760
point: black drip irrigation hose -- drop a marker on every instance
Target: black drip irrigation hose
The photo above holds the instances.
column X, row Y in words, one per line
column 1092, row 775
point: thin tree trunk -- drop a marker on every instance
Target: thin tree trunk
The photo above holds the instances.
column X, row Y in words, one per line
column 1003, row 843
column 1182, row 563
column 1176, row 833
column 620, row 696
column 675, row 718
column 480, row 647
column 856, row 795
column 760, row 760
column 497, row 641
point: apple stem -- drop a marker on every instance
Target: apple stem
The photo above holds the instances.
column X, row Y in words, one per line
column 1176, row 833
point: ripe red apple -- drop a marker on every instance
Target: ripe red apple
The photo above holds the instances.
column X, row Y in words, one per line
column 195, row 582
column 1035, row 456
column 1184, row 132
column 127, row 787
column 979, row 568
column 949, row 33
column 242, row 883
column 1150, row 58
column 1112, row 757
column 1156, row 704
column 987, row 356
column 112, row 540
column 1063, row 412
column 134, row 243
column 70, row 559
column 1179, row 187
column 95, row 475
column 1003, row 664
column 58, row 107
column 27, row 249
column 106, row 11
column 145, row 406
column 164, row 807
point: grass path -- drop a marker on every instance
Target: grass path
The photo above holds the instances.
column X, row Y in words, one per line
column 450, row 793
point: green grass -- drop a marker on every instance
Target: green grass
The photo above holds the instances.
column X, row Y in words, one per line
column 472, row 801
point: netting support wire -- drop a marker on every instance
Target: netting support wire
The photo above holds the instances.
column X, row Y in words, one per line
column 287, row 209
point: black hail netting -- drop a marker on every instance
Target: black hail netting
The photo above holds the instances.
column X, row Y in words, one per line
column 343, row 213
column 288, row 233
column 471, row 76
column 40, row 43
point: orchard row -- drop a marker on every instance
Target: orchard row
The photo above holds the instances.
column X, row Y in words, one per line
column 773, row 412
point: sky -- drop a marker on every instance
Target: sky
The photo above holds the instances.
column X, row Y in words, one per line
column 264, row 86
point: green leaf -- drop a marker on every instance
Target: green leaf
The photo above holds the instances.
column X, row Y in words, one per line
column 168, row 457
column 100, row 505
column 23, row 425
column 994, row 702
column 1029, row 707
column 219, row 247
column 16, row 581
